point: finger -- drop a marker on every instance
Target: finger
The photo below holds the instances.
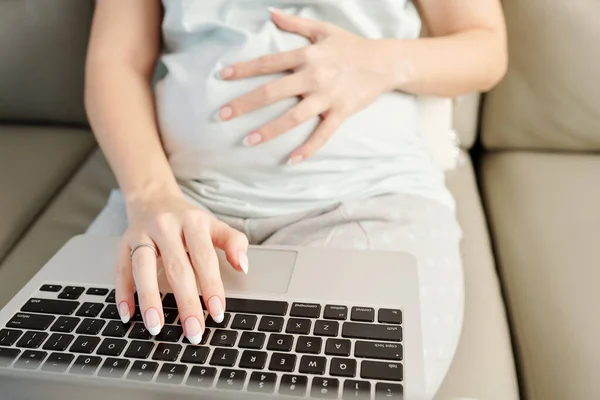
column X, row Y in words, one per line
column 144, row 267
column 206, row 264
column 322, row 134
column 265, row 65
column 308, row 108
column 124, row 283
column 233, row 242
column 309, row 28
column 289, row 86
column 180, row 275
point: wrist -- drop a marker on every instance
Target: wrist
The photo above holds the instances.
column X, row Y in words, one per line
column 396, row 64
column 150, row 192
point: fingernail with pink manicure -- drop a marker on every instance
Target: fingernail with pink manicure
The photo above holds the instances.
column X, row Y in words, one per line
column 124, row 312
column 152, row 321
column 243, row 260
column 215, row 307
column 193, row 330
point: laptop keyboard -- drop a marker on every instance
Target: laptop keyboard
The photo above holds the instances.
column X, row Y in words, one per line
column 298, row 349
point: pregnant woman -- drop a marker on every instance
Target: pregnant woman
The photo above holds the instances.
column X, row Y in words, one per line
column 295, row 125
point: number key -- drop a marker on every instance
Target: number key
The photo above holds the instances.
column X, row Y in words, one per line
column 231, row 379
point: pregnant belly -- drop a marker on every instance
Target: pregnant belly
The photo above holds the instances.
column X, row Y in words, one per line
column 198, row 145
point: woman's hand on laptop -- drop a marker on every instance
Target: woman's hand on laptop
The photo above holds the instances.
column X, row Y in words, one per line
column 336, row 76
column 185, row 237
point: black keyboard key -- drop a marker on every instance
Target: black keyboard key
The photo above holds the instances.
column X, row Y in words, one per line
column 312, row 365
column 169, row 301
column 170, row 315
column 113, row 368
column 73, row 289
column 389, row 391
column 280, row 342
column 231, row 379
column 142, row 371
column 171, row 373
column 381, row 371
column 342, row 367
column 112, row 347
column 244, row 322
column 170, row 333
column 210, row 323
column 30, row 359
column 137, row 315
column 293, row 385
column 204, row 340
column 324, row 388
column 110, row 312
column 263, row 307
column 49, row 306
column 85, row 365
column 253, row 359
column 270, row 324
column 58, row 342
column 116, row 329
column 252, row 340
column 306, row 310
column 32, row 339
column 139, row 331
column 356, row 390
column 362, row 314
column 308, row 344
column 378, row 350
column 335, row 312
column 326, row 328
column 89, row 310
column 299, row 326
column 201, row 377
column 224, row 338
column 111, row 297
column 65, row 324
column 85, row 344
column 8, row 355
column 285, row 362
column 338, row 347
column 391, row 333
column 90, row 326
column 97, row 291
column 30, row 321
column 224, row 357
column 262, row 382
column 195, row 354
column 390, row 316
column 166, row 352
column 139, row 349
column 8, row 337
column 58, row 362
column 50, row 288
column 69, row 296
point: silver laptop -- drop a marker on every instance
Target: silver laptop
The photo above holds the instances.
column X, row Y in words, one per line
column 304, row 323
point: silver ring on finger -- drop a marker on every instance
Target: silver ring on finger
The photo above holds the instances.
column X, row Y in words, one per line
column 139, row 246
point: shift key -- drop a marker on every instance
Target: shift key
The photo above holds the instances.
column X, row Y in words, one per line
column 30, row 321
column 392, row 333
column 50, row 306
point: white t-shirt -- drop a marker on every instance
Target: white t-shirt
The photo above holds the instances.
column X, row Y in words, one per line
column 375, row 152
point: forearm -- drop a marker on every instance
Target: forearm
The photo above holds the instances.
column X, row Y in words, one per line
column 121, row 110
column 446, row 66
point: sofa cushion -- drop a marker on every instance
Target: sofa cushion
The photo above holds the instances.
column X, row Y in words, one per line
column 483, row 367
column 544, row 211
column 35, row 162
column 550, row 98
column 43, row 46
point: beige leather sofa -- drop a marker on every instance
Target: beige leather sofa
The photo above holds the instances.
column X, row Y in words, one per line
column 528, row 190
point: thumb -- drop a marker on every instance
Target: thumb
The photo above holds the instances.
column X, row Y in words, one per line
column 233, row 242
column 310, row 29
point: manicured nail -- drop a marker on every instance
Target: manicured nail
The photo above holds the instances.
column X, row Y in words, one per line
column 152, row 321
column 275, row 10
column 226, row 72
column 215, row 307
column 225, row 113
column 252, row 139
column 243, row 260
column 193, row 330
column 295, row 160
column 124, row 312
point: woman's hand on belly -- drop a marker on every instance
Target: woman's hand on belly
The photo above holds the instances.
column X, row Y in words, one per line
column 338, row 75
column 175, row 226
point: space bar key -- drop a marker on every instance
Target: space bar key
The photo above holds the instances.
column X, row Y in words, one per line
column 392, row 333
column 265, row 307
